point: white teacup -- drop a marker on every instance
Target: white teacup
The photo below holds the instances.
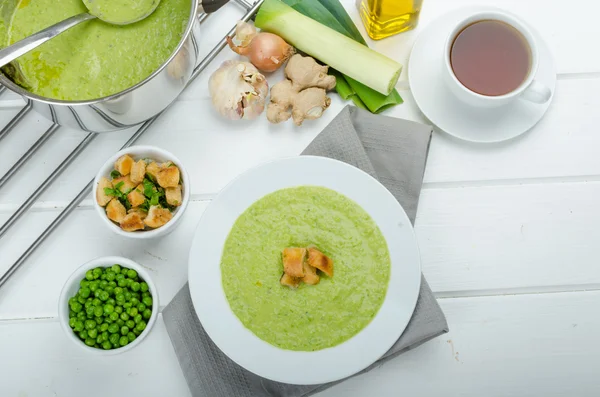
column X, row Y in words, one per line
column 530, row 90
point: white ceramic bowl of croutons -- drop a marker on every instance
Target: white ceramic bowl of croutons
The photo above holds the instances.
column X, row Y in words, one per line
column 133, row 211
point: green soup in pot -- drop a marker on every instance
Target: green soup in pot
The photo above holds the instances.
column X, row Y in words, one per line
column 94, row 59
column 312, row 317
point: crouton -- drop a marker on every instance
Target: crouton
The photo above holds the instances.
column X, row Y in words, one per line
column 101, row 198
column 136, row 198
column 127, row 184
column 152, row 169
column 115, row 210
column 289, row 281
column 293, row 258
column 143, row 214
column 173, row 195
column 132, row 222
column 157, row 217
column 123, row 164
column 310, row 275
column 138, row 172
column 168, row 177
column 320, row 261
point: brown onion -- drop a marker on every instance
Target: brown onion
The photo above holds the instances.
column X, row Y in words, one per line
column 266, row 51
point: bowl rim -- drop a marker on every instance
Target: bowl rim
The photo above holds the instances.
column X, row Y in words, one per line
column 177, row 214
column 78, row 274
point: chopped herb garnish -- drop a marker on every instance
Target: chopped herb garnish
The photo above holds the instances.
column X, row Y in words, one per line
column 149, row 188
column 115, row 174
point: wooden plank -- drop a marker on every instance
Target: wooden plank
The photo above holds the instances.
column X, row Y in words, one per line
column 473, row 241
column 525, row 345
column 43, row 362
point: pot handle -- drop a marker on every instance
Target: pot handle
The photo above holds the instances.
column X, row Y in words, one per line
column 210, row 6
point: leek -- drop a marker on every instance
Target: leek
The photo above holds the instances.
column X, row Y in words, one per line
column 332, row 14
column 347, row 56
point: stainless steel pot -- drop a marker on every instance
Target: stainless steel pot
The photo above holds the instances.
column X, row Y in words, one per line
column 133, row 105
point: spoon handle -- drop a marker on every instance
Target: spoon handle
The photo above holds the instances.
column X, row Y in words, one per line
column 21, row 47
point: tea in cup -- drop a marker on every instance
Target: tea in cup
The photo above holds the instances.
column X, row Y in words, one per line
column 490, row 59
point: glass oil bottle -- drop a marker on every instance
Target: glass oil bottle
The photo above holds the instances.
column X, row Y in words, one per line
column 384, row 18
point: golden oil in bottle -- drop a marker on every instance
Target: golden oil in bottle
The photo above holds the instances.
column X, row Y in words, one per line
column 384, row 18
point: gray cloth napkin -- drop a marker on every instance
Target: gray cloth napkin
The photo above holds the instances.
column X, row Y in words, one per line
column 391, row 150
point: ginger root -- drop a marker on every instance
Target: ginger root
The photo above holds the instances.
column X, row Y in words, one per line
column 304, row 90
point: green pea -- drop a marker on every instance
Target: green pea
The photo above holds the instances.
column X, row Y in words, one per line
column 143, row 286
column 110, row 275
column 109, row 290
column 76, row 307
column 116, row 269
column 130, row 324
column 118, row 290
column 147, row 301
column 105, row 335
column 72, row 300
column 97, row 302
column 103, row 276
column 136, row 295
column 127, row 296
column 103, row 296
column 137, row 318
column 89, row 275
column 124, row 316
column 119, row 309
column 113, row 328
column 99, row 320
column 122, row 283
column 120, row 322
column 81, row 316
column 90, row 342
column 72, row 314
column 120, row 298
column 119, row 277
column 141, row 307
column 133, row 312
column 89, row 324
column 128, row 282
column 114, row 338
column 146, row 294
column 81, row 300
column 98, row 311
column 131, row 336
column 72, row 322
column 127, row 305
column 97, row 272
column 84, row 283
column 112, row 284
column 103, row 327
column 108, row 309
column 147, row 314
column 135, row 286
column 123, row 341
column 83, row 334
column 85, row 292
column 137, row 332
column 114, row 316
column 88, row 303
column 134, row 301
column 90, row 310
column 124, row 271
column 111, row 301
column 103, row 284
column 140, row 326
column 93, row 333
column 124, row 330
column 99, row 340
column 106, row 345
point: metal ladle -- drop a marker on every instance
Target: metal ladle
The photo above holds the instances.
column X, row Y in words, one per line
column 22, row 47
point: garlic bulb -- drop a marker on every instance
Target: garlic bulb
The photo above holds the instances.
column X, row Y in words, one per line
column 238, row 90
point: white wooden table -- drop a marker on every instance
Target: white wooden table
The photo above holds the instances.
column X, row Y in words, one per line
column 509, row 236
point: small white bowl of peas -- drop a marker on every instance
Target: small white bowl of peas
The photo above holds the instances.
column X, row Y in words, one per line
column 108, row 305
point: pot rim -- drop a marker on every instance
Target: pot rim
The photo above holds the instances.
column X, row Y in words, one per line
column 7, row 82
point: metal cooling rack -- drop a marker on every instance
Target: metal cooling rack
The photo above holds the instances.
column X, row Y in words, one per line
column 250, row 8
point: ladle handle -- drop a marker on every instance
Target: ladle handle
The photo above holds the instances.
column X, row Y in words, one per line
column 210, row 6
column 22, row 47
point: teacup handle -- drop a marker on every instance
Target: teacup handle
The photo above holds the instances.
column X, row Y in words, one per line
column 537, row 93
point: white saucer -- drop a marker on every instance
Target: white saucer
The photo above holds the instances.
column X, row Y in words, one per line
column 451, row 115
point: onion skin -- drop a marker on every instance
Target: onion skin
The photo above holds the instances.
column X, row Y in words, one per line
column 267, row 51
